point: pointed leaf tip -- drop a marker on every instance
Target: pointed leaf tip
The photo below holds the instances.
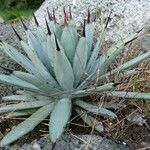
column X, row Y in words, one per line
column 64, row 10
column 20, row 39
column 84, row 27
column 57, row 46
column 54, row 17
column 35, row 19
column 49, row 15
column 70, row 13
column 89, row 16
column 65, row 16
column 48, row 29
column 25, row 27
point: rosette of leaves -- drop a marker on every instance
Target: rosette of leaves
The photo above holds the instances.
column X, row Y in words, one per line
column 59, row 66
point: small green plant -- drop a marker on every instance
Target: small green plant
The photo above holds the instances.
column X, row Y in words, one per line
column 11, row 10
column 13, row 14
column 63, row 69
column 20, row 3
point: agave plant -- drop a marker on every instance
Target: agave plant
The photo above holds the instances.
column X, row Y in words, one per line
column 60, row 66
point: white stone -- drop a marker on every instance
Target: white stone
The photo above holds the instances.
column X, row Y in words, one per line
column 1, row 20
column 128, row 16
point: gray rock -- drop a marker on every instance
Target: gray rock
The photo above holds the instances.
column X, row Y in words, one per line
column 128, row 16
column 1, row 20
column 145, row 42
column 70, row 142
column 137, row 118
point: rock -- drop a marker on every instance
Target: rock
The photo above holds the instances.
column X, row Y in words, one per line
column 145, row 42
column 70, row 142
column 137, row 118
column 127, row 16
column 1, row 20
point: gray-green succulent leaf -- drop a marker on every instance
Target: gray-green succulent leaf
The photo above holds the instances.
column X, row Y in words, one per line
column 94, row 90
column 28, row 125
column 80, row 60
column 99, row 110
column 130, row 95
column 20, row 113
column 23, row 105
column 59, row 118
